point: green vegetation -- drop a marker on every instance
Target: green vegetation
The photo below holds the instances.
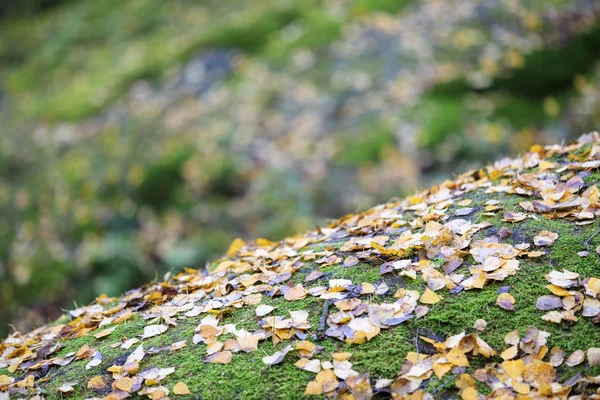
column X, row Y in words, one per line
column 246, row 376
column 115, row 169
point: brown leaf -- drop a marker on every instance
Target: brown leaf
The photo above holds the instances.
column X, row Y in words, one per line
column 104, row 333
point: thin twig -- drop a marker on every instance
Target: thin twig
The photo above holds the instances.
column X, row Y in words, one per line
column 442, row 385
column 417, row 343
column 321, row 331
column 587, row 242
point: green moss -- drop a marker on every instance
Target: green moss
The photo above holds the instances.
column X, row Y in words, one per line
column 592, row 179
column 325, row 246
column 360, row 273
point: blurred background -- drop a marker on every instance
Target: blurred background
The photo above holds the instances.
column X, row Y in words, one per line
column 140, row 136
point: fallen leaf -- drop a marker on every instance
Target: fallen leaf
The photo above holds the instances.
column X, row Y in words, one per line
column 593, row 356
column 429, row 297
column 591, row 307
column 277, row 357
column 153, row 330
column 128, row 343
column 223, row 357
column 104, row 333
column 514, row 369
column 469, row 393
column 510, row 353
column 295, row 293
column 461, row 212
column 313, row 388
column 545, row 238
column 66, row 388
column 308, row 365
column 313, row 276
column 263, row 310
column 248, row 343
column 506, row 301
column 97, row 360
column 125, row 384
column 480, row 325
column 575, row 358
column 235, row 247
column 350, row 261
column 181, row 388
column 97, row 383
column 457, row 357
column 548, row 302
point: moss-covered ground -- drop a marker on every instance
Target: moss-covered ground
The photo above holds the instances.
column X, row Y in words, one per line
column 382, row 357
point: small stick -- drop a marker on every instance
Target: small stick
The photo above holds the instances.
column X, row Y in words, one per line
column 587, row 242
column 442, row 385
column 321, row 331
column 417, row 343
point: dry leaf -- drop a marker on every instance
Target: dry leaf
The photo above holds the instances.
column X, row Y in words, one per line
column 263, row 310
column 277, row 357
column 223, row 357
column 181, row 388
column 545, row 238
column 97, row 383
column 429, row 297
column 153, row 330
column 480, row 325
column 593, row 356
column 575, row 358
column 104, row 333
column 506, row 301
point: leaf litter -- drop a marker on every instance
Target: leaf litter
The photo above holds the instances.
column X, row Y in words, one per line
column 417, row 237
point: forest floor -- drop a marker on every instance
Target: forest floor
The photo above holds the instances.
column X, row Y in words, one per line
column 483, row 286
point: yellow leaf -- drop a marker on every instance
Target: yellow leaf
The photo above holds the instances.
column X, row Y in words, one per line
column 104, row 333
column 125, row 384
column 181, row 388
column 429, row 297
column 223, row 357
column 510, row 353
column 469, row 393
column 248, row 343
column 295, row 293
column 457, row 357
column 341, row 356
column 514, row 369
column 440, row 369
column 235, row 247
column 521, row 387
column 96, row 383
column 313, row 389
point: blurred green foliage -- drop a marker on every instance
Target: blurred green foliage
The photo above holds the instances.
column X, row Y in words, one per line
column 145, row 135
